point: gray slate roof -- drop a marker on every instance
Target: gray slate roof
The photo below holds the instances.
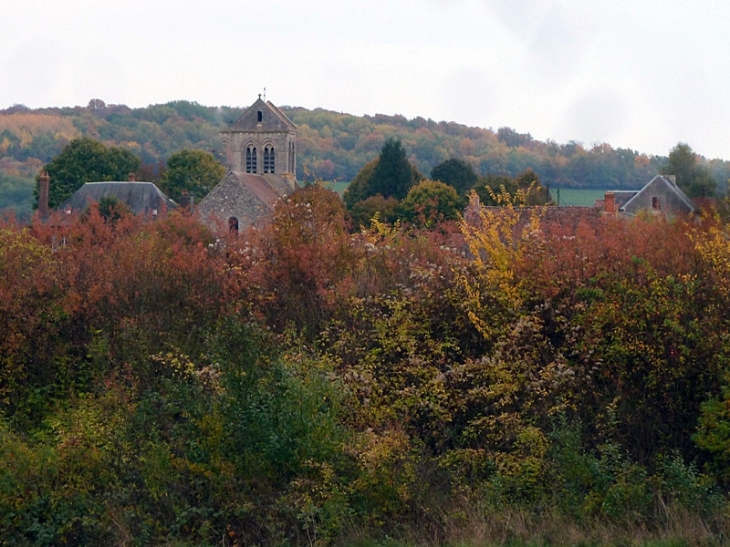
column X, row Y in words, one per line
column 140, row 197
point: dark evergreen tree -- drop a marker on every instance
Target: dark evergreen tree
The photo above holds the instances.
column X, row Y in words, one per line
column 359, row 189
column 393, row 176
column 456, row 173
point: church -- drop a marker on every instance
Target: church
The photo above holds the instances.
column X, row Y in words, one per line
column 261, row 154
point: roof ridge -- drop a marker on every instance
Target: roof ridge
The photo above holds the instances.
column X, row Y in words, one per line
column 283, row 117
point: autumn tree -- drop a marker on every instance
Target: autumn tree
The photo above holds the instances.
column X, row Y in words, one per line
column 194, row 171
column 456, row 173
column 85, row 160
column 430, row 202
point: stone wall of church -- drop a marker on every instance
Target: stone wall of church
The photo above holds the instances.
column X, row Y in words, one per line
column 231, row 199
column 237, row 143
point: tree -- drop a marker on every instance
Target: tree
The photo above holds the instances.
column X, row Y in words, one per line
column 430, row 202
column 393, row 175
column 358, row 188
column 364, row 211
column 495, row 184
column 84, row 160
column 388, row 175
column 195, row 171
column 456, row 173
column 527, row 182
column 512, row 138
column 694, row 179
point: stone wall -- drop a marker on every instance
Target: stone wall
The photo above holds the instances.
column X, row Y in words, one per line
column 231, row 199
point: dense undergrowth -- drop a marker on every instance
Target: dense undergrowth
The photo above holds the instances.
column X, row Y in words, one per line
column 509, row 382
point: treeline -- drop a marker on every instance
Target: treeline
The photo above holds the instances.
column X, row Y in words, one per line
column 514, row 380
column 331, row 145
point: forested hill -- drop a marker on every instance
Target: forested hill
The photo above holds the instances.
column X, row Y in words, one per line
column 331, row 145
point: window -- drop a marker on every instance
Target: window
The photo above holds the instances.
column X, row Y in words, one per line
column 260, row 116
column 656, row 204
column 269, row 159
column 233, row 226
column 251, row 159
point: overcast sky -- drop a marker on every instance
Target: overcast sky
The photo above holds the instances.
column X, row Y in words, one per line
column 641, row 74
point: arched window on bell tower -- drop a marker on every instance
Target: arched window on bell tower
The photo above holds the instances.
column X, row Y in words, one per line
column 269, row 159
column 251, row 163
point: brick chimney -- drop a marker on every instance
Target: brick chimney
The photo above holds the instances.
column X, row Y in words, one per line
column 471, row 215
column 609, row 203
column 184, row 200
column 44, row 183
column 131, row 177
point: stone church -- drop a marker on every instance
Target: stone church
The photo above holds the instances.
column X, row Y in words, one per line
column 261, row 153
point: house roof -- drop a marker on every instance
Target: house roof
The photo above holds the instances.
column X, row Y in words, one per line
column 669, row 185
column 140, row 197
column 272, row 119
column 622, row 197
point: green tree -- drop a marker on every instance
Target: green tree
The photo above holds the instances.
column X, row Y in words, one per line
column 393, row 175
column 527, row 182
column 492, row 184
column 193, row 170
column 693, row 178
column 84, row 160
column 431, row 202
column 359, row 187
column 456, row 173
column 364, row 211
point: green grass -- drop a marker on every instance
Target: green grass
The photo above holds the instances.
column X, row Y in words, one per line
column 337, row 185
column 584, row 197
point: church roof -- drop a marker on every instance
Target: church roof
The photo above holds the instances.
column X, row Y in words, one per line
column 259, row 187
column 140, row 197
column 272, row 119
column 248, row 197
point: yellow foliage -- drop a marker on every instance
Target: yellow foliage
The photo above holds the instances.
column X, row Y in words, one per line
column 26, row 126
column 496, row 244
column 714, row 248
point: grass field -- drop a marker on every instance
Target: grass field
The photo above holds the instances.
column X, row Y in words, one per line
column 584, row 197
column 337, row 185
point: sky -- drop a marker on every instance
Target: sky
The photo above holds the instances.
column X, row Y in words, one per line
column 639, row 74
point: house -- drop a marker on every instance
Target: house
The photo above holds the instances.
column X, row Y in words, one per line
column 140, row 197
column 261, row 153
column 661, row 195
